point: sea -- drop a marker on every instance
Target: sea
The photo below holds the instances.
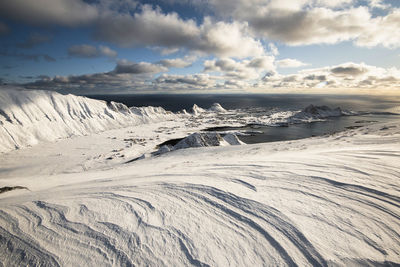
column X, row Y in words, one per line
column 368, row 109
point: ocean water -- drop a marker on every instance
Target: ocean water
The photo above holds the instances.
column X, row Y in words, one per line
column 372, row 109
column 282, row 101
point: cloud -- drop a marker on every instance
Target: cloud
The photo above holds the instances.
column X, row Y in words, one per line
column 317, row 25
column 307, row 22
column 235, row 31
column 193, row 81
column 248, row 69
column 290, row 63
column 48, row 12
column 227, row 40
column 33, row 40
column 106, row 51
column 349, row 75
column 87, row 51
column 4, row 29
column 140, row 77
column 90, row 51
column 152, row 27
column 177, row 62
column 98, row 82
column 383, row 31
column 138, row 68
column 350, row 69
column 273, row 49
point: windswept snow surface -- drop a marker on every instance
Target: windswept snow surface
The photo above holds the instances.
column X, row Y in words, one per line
column 28, row 117
column 323, row 201
column 319, row 201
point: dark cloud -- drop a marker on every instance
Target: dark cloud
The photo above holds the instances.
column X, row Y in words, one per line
column 33, row 40
column 177, row 62
column 138, row 68
column 90, row 51
column 313, row 77
column 199, row 80
column 349, row 76
column 135, row 76
column 99, row 82
column 87, row 51
column 349, row 70
column 49, row 12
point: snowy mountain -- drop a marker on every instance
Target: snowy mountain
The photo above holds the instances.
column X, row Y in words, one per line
column 28, row 117
column 312, row 112
column 196, row 110
column 215, row 108
column 207, row 139
column 202, row 140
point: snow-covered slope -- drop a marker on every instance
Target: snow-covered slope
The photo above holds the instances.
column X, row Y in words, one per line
column 207, row 139
column 28, row 117
column 197, row 140
column 328, row 201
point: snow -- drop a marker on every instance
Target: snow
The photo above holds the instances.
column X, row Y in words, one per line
column 331, row 200
column 207, row 139
column 28, row 117
column 216, row 107
column 314, row 113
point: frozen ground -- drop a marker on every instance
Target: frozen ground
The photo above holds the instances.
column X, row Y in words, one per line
column 321, row 201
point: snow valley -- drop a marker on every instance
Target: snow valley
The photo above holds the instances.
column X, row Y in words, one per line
column 93, row 183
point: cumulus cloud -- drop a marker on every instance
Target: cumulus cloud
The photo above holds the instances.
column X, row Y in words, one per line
column 126, row 75
column 383, row 31
column 349, row 69
column 128, row 67
column 306, row 22
column 318, row 25
column 141, row 77
column 97, row 82
column 192, row 81
column 153, row 27
column 273, row 49
column 290, row 63
column 87, row 51
column 244, row 22
column 90, row 51
column 106, row 51
column 248, row 69
column 344, row 76
column 177, row 62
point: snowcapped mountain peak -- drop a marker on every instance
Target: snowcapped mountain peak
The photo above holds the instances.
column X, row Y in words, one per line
column 207, row 139
column 216, row 107
column 196, row 110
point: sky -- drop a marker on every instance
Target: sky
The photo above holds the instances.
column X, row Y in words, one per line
column 201, row 46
